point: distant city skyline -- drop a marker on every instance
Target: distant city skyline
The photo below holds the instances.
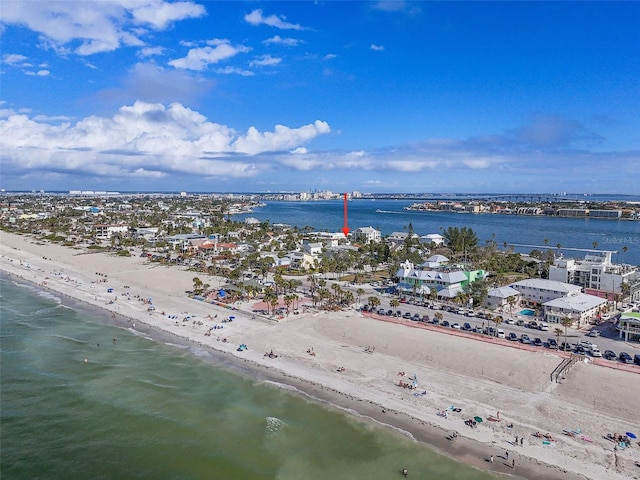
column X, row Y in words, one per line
column 388, row 96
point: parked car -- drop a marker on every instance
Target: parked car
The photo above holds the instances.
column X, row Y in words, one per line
column 509, row 321
column 625, row 357
column 586, row 344
column 524, row 338
column 565, row 347
column 445, row 323
column 579, row 349
column 380, row 311
column 512, row 336
column 425, row 318
column 435, row 321
column 636, row 359
column 537, row 342
column 595, row 351
column 500, row 333
column 416, row 317
column 520, row 322
column 552, row 343
column 544, row 326
column 466, row 326
column 366, row 308
column 389, row 313
column 532, row 324
column 455, row 325
column 594, row 333
column 609, row 355
column 407, row 315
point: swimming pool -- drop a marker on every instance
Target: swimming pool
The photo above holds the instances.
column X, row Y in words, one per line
column 528, row 312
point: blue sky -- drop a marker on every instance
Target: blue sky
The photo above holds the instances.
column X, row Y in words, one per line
column 331, row 95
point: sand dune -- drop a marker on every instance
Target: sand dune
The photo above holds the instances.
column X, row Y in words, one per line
column 479, row 378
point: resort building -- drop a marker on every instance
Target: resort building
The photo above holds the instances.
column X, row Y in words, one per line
column 537, row 291
column 448, row 281
column 598, row 276
column 629, row 326
column 581, row 308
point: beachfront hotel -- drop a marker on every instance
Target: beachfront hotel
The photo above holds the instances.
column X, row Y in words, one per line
column 598, row 276
column 560, row 300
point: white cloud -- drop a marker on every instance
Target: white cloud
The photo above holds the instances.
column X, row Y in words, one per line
column 143, row 137
column 13, row 59
column 200, row 58
column 256, row 18
column 150, row 52
column 235, row 70
column 278, row 40
column 264, row 61
column 377, row 48
column 87, row 28
column 39, row 73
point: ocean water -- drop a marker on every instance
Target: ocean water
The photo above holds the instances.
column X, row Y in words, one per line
column 389, row 216
column 143, row 409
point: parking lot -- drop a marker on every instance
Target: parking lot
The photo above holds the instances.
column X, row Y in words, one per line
column 598, row 341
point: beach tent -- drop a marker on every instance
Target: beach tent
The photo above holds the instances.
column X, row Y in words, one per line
column 221, row 293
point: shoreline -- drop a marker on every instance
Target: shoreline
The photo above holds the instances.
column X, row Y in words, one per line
column 368, row 395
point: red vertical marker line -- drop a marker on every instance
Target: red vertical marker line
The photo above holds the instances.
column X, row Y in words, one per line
column 345, row 229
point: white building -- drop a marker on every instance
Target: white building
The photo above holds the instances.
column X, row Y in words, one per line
column 498, row 298
column 537, row 291
column 367, row 235
column 597, row 275
column 432, row 238
column 581, row 308
column 629, row 326
column 105, row 232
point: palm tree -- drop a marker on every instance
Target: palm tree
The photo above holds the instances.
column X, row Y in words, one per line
column 558, row 332
column 497, row 320
column 374, row 301
column 433, row 293
column 566, row 323
column 394, row 303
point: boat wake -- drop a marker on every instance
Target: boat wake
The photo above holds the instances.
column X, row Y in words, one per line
column 396, row 212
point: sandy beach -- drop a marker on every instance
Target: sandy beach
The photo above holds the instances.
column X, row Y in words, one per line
column 476, row 378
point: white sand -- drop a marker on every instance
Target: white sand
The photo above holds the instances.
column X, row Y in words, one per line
column 480, row 378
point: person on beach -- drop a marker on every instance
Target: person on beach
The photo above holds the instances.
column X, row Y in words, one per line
column 521, row 441
column 506, row 455
column 405, row 472
column 513, row 463
column 491, row 459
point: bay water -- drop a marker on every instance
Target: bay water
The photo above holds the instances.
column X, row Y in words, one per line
column 148, row 409
column 534, row 231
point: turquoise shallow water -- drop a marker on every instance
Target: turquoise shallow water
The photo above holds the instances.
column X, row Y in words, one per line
column 141, row 409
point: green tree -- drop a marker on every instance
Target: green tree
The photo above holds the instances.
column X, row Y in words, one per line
column 566, row 323
column 558, row 332
column 461, row 240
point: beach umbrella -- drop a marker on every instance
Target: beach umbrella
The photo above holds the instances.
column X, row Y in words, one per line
column 630, row 435
column 478, row 419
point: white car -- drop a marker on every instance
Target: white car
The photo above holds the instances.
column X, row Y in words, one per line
column 500, row 333
column 595, row 351
column 544, row 326
column 593, row 333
